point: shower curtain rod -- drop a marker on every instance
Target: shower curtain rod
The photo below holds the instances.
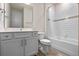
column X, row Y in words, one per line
column 66, row 18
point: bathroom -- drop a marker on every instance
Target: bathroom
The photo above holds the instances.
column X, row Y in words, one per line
column 39, row 29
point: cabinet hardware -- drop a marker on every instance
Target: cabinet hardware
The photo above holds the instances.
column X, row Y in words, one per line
column 22, row 43
column 25, row 42
column 6, row 36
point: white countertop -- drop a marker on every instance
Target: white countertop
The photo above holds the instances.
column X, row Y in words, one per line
column 16, row 30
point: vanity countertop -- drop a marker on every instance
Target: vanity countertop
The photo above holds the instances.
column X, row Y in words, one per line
column 19, row 31
column 13, row 30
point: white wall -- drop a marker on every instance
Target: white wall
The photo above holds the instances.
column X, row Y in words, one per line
column 1, row 17
column 7, row 15
column 49, row 14
column 38, row 17
column 28, row 19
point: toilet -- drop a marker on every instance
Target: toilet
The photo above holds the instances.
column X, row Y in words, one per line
column 44, row 43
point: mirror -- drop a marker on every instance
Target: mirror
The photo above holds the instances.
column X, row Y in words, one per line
column 18, row 15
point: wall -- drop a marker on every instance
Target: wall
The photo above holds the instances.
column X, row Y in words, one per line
column 7, row 15
column 49, row 16
column 28, row 17
column 1, row 17
column 38, row 17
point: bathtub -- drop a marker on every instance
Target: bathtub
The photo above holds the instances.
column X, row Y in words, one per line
column 67, row 45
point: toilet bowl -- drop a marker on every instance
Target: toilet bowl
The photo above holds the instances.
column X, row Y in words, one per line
column 44, row 43
column 42, row 39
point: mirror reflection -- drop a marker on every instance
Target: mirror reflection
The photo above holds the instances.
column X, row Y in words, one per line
column 18, row 15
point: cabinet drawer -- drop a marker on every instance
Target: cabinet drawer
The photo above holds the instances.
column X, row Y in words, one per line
column 5, row 36
column 20, row 35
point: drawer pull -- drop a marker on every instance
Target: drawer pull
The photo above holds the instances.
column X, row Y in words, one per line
column 25, row 42
column 22, row 43
column 6, row 36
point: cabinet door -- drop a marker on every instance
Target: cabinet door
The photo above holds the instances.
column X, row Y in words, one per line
column 11, row 48
column 31, row 46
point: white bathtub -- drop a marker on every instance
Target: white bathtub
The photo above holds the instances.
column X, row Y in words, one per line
column 66, row 45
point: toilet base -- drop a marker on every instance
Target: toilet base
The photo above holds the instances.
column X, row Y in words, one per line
column 44, row 48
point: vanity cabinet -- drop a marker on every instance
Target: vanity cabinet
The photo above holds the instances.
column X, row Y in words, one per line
column 11, row 48
column 31, row 48
column 18, row 43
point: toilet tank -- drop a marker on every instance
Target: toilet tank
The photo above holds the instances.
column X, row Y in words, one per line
column 41, row 35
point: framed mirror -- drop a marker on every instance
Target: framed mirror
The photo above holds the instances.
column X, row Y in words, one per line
column 18, row 15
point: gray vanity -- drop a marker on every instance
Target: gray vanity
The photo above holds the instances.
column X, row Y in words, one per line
column 24, row 43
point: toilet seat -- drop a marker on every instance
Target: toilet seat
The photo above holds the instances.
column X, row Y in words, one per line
column 45, row 41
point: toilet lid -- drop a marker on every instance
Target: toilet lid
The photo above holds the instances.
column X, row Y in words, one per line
column 45, row 41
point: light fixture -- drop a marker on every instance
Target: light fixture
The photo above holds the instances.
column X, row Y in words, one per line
column 65, row 4
column 28, row 3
